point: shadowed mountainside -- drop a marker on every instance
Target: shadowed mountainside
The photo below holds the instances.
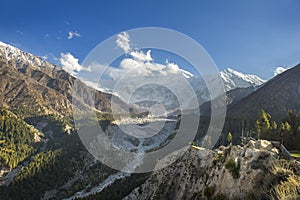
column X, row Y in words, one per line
column 277, row 96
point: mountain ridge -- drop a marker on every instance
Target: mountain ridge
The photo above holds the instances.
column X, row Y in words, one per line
column 56, row 78
column 277, row 97
column 26, row 78
column 234, row 79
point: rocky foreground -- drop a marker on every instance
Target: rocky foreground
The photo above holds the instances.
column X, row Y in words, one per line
column 253, row 171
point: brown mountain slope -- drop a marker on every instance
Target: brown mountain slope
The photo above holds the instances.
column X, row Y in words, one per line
column 18, row 90
column 40, row 87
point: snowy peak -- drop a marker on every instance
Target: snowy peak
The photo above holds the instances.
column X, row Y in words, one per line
column 2, row 44
column 20, row 58
column 234, row 79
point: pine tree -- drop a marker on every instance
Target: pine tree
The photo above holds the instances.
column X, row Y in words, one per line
column 229, row 138
column 285, row 131
column 262, row 124
column 274, row 126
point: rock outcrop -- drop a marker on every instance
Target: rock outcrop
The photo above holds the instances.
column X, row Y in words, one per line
column 233, row 172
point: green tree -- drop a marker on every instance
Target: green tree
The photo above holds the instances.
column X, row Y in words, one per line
column 288, row 127
column 285, row 131
column 229, row 138
column 274, row 126
column 262, row 124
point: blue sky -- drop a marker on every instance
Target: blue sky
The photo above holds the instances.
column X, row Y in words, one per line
column 249, row 36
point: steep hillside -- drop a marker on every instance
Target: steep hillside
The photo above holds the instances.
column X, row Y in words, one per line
column 18, row 140
column 277, row 96
column 31, row 83
column 235, row 95
column 249, row 172
column 40, row 152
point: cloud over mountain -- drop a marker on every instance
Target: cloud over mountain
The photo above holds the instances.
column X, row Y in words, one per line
column 70, row 64
column 138, row 62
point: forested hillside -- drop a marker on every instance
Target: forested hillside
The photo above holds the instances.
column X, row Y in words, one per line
column 18, row 140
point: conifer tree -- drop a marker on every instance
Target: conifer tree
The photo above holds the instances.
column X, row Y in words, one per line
column 229, row 138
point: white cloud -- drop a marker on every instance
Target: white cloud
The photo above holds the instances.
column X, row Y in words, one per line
column 137, row 65
column 279, row 70
column 131, row 67
column 141, row 56
column 73, row 34
column 70, row 64
column 19, row 32
column 140, row 64
column 123, row 42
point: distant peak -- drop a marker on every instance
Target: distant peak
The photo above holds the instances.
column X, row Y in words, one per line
column 230, row 69
column 234, row 79
column 21, row 58
column 235, row 72
column 280, row 69
column 3, row 44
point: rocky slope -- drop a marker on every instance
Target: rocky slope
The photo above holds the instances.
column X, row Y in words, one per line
column 37, row 86
column 235, row 172
column 237, row 94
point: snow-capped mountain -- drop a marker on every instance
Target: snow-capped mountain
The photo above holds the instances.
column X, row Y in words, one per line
column 234, row 79
column 148, row 94
column 26, row 78
column 17, row 57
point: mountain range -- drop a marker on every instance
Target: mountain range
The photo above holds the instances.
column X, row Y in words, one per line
column 51, row 162
column 52, row 82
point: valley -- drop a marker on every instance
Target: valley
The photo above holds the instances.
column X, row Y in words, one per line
column 43, row 156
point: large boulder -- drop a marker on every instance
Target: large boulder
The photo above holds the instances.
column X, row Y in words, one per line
column 263, row 144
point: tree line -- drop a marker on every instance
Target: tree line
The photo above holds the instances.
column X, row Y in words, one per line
column 286, row 131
